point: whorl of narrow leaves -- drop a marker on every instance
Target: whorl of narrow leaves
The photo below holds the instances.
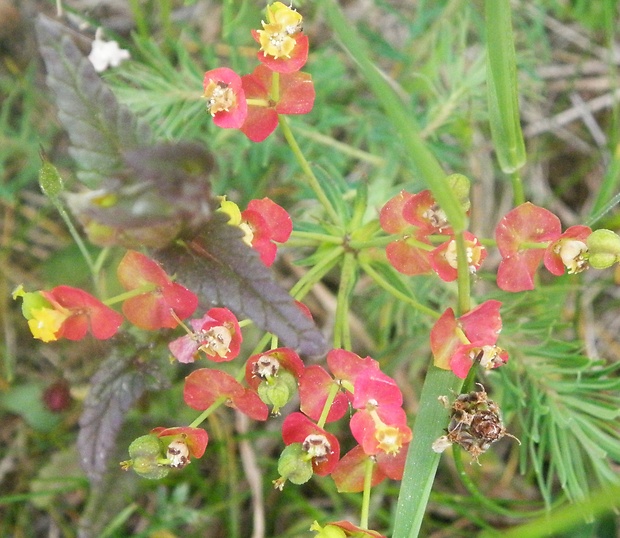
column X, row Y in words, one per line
column 99, row 128
column 221, row 269
column 113, row 390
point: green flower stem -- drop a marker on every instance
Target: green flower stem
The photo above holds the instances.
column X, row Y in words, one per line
column 76, row 237
column 275, row 87
column 517, row 188
column 203, row 416
column 333, row 390
column 341, row 147
column 383, row 241
column 314, row 275
column 145, row 288
column 258, row 102
column 379, row 280
column 380, row 242
column 368, row 468
column 342, row 331
column 305, row 166
column 463, row 275
column 401, row 117
column 422, row 462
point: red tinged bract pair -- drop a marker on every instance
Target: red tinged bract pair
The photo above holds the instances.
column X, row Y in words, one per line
column 529, row 235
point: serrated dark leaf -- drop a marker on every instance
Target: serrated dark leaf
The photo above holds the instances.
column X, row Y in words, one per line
column 115, row 387
column 152, row 193
column 99, row 127
column 219, row 267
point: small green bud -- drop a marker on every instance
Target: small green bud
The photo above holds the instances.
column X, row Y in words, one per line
column 146, row 454
column 147, row 467
column 147, row 445
column 278, row 391
column 604, row 248
column 294, row 466
column 49, row 179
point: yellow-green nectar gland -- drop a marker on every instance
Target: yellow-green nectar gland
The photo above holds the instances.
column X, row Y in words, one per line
column 220, row 97
column 389, row 438
column 275, row 40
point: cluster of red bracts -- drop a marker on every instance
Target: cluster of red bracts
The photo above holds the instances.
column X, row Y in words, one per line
column 252, row 103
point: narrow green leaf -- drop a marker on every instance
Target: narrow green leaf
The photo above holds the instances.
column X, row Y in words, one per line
column 502, row 89
column 401, row 117
column 422, row 461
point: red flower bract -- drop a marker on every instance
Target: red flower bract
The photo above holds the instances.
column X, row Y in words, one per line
column 204, row 387
column 522, row 236
column 217, row 334
column 450, row 338
column 314, row 387
column 268, row 222
column 350, row 471
column 225, row 97
column 295, row 62
column 568, row 251
column 196, row 439
column 296, row 96
column 152, row 310
column 297, row 427
column 86, row 314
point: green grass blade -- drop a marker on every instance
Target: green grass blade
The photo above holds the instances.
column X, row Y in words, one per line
column 400, row 116
column 502, row 87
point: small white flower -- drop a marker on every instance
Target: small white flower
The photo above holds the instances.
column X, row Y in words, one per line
column 106, row 54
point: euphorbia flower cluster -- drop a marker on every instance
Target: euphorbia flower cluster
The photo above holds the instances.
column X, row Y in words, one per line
column 379, row 424
column 420, row 223
column 252, row 103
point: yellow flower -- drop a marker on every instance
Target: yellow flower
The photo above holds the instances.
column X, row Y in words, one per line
column 277, row 36
column 45, row 323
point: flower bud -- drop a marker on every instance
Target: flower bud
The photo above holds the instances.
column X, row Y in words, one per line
column 294, row 464
column 278, row 391
column 145, row 453
column 147, row 467
column 604, row 247
column 49, row 179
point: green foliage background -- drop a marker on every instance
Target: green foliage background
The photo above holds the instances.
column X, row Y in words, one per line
column 560, row 392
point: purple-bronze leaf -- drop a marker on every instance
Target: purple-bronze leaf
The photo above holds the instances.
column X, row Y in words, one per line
column 222, row 270
column 99, row 127
column 114, row 388
column 141, row 195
